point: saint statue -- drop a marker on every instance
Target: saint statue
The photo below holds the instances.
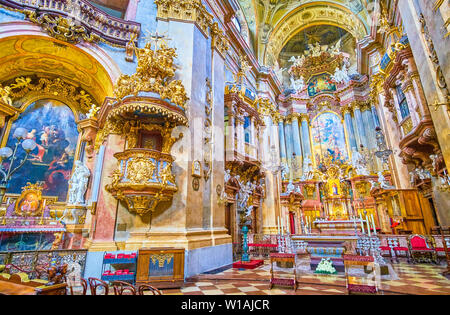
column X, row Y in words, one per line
column 308, row 172
column 78, row 184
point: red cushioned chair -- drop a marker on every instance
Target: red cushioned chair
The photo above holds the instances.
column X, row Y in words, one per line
column 421, row 249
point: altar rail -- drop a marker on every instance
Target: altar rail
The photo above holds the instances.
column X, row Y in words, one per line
column 30, row 261
column 261, row 239
column 108, row 28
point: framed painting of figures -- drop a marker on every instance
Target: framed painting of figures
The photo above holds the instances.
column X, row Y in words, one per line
column 51, row 124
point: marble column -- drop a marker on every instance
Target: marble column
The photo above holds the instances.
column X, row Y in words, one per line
column 296, row 137
column 289, row 143
column 282, row 140
column 369, row 127
column 360, row 126
column 350, row 130
column 306, row 139
column 297, row 146
column 376, row 119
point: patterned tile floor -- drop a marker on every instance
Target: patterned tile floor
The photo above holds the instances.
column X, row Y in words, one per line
column 423, row 279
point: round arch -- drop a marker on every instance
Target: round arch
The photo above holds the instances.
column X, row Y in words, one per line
column 26, row 51
column 311, row 14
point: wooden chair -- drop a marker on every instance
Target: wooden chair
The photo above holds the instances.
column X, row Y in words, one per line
column 146, row 287
column 84, row 285
column 95, row 283
column 361, row 285
column 421, row 249
column 120, row 287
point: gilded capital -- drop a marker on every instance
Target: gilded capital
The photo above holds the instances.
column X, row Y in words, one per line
column 185, row 10
column 218, row 39
column 304, row 117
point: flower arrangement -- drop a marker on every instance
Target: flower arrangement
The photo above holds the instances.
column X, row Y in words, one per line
column 326, row 267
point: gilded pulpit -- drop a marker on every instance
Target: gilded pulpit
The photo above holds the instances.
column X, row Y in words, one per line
column 147, row 106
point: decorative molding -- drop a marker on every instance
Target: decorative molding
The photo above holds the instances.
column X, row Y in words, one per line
column 76, row 20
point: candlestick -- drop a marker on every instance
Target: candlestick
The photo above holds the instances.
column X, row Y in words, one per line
column 374, row 227
column 368, row 226
column 362, row 223
column 278, row 225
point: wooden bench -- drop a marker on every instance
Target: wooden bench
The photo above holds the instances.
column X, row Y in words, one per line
column 19, row 284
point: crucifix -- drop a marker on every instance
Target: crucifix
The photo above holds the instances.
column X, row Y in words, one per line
column 156, row 38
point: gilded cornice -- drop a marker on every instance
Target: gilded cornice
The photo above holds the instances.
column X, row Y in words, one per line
column 28, row 89
column 185, row 10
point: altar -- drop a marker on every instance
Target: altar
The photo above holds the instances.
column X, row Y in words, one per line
column 327, row 246
column 338, row 227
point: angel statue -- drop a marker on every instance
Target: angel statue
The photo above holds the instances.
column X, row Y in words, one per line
column 341, row 75
column 78, row 183
column 298, row 84
column 297, row 61
column 336, row 48
column 384, row 184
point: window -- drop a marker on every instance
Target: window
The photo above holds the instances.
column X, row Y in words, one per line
column 247, row 129
column 402, row 103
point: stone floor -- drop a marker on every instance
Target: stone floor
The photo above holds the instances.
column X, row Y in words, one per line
column 422, row 279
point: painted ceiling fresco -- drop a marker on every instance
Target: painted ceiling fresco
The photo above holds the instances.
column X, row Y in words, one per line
column 323, row 34
column 263, row 16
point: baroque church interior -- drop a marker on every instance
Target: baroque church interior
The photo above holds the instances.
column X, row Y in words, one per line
column 224, row 147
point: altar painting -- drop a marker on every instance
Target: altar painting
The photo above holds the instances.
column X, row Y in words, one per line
column 328, row 139
column 320, row 83
column 51, row 124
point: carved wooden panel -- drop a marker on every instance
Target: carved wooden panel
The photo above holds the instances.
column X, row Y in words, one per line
column 160, row 267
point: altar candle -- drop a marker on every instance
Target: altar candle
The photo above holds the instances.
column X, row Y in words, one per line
column 362, row 223
column 282, row 226
column 368, row 226
column 278, row 225
column 374, row 227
